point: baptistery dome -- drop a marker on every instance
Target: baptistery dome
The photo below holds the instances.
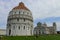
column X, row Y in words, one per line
column 20, row 21
column 21, row 6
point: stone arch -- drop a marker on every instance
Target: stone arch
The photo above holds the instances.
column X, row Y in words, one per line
column 9, row 31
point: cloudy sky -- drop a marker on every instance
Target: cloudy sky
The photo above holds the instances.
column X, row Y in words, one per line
column 43, row 10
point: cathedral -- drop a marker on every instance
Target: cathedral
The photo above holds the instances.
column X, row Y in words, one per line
column 44, row 29
column 20, row 21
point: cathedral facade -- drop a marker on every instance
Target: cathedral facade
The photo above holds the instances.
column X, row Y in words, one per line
column 20, row 21
column 44, row 29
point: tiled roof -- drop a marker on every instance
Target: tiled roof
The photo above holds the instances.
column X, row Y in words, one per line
column 21, row 6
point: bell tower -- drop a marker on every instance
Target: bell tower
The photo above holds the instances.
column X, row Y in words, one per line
column 54, row 27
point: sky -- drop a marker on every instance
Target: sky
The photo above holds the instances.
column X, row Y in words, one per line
column 42, row 10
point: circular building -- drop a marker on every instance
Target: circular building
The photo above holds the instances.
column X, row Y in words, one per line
column 20, row 21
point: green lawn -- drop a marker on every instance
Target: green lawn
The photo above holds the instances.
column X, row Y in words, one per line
column 41, row 37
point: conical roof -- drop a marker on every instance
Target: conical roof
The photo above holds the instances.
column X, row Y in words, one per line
column 21, row 6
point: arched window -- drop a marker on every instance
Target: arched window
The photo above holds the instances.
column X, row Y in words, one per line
column 13, row 27
column 19, row 12
column 23, row 12
column 17, row 19
column 24, row 27
column 39, row 32
column 15, row 12
column 19, row 27
column 9, row 24
column 9, row 31
column 24, row 20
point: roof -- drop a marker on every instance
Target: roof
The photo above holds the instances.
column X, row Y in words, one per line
column 50, row 28
column 21, row 6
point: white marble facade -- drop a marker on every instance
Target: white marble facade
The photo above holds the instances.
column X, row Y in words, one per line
column 19, row 22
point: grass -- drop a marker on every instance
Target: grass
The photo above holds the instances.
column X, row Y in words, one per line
column 41, row 37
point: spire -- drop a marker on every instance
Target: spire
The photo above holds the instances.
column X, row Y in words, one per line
column 21, row 6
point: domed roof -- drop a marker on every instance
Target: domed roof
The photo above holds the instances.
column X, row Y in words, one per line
column 21, row 6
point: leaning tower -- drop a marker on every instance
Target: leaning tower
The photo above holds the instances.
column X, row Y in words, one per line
column 20, row 21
